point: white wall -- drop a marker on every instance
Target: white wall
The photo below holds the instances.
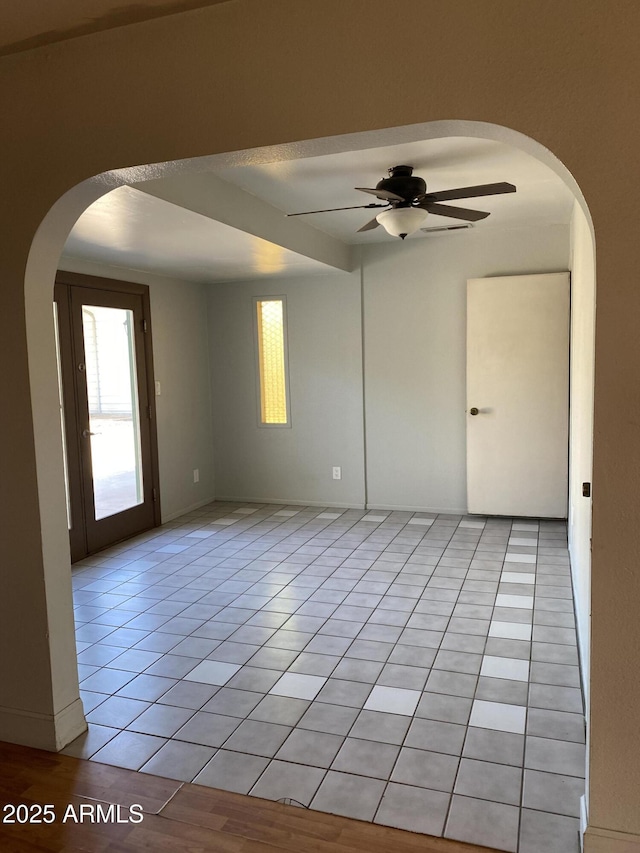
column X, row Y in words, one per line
column 415, row 354
column 281, row 464
column 414, row 309
column 181, row 364
column 581, row 423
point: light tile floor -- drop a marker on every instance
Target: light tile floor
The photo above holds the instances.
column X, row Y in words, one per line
column 414, row 670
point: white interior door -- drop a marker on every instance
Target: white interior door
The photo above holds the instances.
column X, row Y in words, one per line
column 518, row 395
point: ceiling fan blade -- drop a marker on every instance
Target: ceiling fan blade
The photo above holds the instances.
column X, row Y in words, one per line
column 471, row 192
column 331, row 209
column 454, row 212
column 371, row 224
column 381, row 194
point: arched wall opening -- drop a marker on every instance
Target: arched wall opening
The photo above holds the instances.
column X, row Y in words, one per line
column 43, row 261
column 175, row 88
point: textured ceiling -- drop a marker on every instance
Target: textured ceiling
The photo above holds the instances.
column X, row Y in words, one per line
column 25, row 24
column 328, row 181
column 131, row 229
column 230, row 224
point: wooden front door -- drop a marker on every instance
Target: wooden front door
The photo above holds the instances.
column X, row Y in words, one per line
column 106, row 372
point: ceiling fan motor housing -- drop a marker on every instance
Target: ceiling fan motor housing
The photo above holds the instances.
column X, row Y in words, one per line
column 402, row 182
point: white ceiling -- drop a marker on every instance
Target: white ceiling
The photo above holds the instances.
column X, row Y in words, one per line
column 329, row 181
column 131, row 229
column 231, row 225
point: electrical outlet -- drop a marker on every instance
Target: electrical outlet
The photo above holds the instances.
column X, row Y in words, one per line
column 196, row 475
column 337, row 472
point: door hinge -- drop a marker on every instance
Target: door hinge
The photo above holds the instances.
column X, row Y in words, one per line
column 149, row 412
column 145, row 326
column 154, row 495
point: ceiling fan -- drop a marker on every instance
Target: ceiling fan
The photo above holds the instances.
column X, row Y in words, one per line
column 407, row 202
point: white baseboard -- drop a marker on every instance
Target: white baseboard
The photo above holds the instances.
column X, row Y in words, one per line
column 598, row 840
column 296, row 502
column 584, row 820
column 43, row 731
column 407, row 508
column 285, row 502
column 180, row 512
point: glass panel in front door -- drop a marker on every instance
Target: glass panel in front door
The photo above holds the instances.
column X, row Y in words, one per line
column 114, row 424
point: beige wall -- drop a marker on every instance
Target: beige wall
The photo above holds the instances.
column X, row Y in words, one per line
column 415, row 308
column 564, row 74
column 290, row 464
column 181, row 364
column 405, row 310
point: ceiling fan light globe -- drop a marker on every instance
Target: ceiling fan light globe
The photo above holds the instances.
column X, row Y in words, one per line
column 402, row 221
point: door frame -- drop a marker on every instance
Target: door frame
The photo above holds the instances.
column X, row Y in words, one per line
column 77, row 497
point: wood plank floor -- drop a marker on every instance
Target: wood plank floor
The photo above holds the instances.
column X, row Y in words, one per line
column 178, row 817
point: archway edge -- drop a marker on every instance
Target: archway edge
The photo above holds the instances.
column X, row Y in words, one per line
column 42, row 264
column 74, row 201
column 52, row 233
column 562, row 73
column 49, row 239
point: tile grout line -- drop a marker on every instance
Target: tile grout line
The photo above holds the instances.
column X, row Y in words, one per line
column 309, row 535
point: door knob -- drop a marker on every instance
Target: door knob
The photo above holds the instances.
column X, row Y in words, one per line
column 474, row 411
column 86, row 433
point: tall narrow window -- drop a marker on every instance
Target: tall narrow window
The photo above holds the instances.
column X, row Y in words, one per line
column 272, row 361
